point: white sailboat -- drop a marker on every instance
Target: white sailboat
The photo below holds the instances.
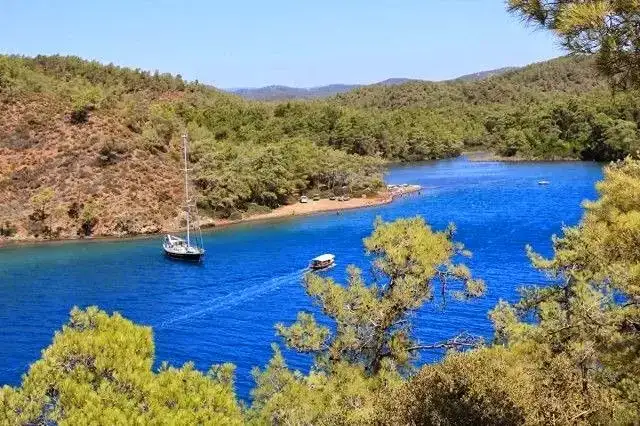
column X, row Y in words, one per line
column 186, row 248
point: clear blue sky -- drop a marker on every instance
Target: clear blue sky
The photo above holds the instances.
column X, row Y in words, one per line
column 245, row 43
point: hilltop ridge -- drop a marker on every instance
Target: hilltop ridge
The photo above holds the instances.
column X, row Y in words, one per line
column 282, row 92
column 566, row 76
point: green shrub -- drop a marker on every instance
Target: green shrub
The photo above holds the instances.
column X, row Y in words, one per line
column 255, row 209
column 88, row 219
column 111, row 151
column 7, row 229
column 42, row 204
column 80, row 114
column 74, row 210
column 235, row 215
column 98, row 370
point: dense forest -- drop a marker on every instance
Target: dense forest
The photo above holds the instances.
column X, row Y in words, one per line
column 560, row 109
column 78, row 137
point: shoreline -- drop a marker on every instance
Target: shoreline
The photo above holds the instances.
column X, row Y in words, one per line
column 293, row 210
column 490, row 157
column 283, row 212
column 321, row 206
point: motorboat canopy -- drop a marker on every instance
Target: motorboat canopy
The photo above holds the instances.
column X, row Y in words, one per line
column 324, row 258
column 323, row 261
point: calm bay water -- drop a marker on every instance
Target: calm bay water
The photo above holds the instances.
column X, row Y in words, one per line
column 225, row 309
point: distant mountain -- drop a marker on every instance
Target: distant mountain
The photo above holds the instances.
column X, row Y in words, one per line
column 279, row 93
column 394, row 81
column 485, row 74
column 274, row 93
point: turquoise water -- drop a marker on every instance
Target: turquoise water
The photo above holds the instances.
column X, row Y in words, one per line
column 225, row 309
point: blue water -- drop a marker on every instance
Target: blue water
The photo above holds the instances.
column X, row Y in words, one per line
column 226, row 308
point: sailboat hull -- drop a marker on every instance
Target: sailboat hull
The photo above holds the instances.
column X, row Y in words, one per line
column 194, row 257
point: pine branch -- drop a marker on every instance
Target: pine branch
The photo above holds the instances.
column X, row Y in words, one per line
column 458, row 342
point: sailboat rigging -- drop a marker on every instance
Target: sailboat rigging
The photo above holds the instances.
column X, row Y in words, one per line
column 185, row 248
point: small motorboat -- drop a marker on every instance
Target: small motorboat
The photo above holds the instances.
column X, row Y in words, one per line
column 543, row 182
column 323, row 261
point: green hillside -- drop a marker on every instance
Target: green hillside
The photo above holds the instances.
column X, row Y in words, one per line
column 560, row 109
column 566, row 75
column 103, row 142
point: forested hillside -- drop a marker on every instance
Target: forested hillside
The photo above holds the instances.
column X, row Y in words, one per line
column 90, row 149
column 484, row 74
column 568, row 75
column 560, row 109
column 284, row 93
column 93, row 149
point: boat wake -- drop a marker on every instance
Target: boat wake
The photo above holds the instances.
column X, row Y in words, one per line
column 234, row 299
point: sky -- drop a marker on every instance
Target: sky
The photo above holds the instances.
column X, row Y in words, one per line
column 301, row 43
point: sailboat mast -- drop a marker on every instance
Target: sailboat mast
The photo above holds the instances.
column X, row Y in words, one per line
column 186, row 187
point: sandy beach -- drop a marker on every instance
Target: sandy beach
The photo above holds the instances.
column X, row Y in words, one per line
column 323, row 205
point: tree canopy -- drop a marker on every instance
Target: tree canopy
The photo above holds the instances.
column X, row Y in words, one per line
column 607, row 28
column 98, row 371
column 372, row 328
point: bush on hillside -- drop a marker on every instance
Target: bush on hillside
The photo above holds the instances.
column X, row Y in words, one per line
column 111, row 151
column 7, row 229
